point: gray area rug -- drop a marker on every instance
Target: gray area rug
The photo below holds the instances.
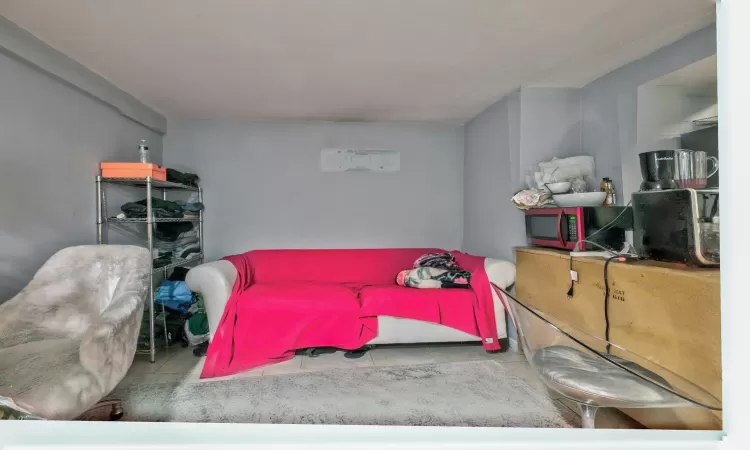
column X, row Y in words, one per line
column 479, row 393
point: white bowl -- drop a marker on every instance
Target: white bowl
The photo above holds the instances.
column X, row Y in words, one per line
column 558, row 188
column 580, row 199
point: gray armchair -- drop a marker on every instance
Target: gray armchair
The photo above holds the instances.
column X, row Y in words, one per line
column 70, row 335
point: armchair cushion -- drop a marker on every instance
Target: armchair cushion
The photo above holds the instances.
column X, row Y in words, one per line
column 586, row 378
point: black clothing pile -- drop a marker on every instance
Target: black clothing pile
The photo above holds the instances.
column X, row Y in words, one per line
column 172, row 240
column 175, row 322
column 176, row 176
column 172, row 231
column 161, row 209
column 435, row 270
column 177, row 240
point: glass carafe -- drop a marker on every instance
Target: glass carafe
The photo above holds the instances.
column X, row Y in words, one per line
column 691, row 167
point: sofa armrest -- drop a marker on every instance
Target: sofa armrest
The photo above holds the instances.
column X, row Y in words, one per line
column 501, row 273
column 214, row 281
column 108, row 346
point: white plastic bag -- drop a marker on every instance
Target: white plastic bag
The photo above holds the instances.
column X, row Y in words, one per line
column 564, row 169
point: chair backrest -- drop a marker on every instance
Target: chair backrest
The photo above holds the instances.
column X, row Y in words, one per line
column 70, row 291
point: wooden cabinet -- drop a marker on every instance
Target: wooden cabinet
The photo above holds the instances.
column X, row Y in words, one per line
column 665, row 313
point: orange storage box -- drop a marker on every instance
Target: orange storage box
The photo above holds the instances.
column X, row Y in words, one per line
column 133, row 170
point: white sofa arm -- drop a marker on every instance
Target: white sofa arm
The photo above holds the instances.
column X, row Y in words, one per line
column 214, row 281
column 501, row 273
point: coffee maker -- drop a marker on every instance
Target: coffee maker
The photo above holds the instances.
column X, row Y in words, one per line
column 678, row 225
column 674, row 169
column 658, row 169
column 674, row 219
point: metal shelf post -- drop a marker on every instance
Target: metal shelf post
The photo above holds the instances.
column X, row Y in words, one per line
column 200, row 224
column 150, row 234
column 99, row 213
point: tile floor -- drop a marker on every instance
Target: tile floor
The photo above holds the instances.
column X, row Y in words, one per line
column 180, row 363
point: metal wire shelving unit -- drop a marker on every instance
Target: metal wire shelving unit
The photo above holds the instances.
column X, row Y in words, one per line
column 102, row 220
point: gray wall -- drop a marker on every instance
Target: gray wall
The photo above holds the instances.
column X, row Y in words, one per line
column 550, row 127
column 610, row 103
column 264, row 187
column 52, row 138
column 23, row 46
column 501, row 145
column 492, row 140
column 523, row 129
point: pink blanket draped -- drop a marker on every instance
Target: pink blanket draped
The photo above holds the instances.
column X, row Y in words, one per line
column 284, row 300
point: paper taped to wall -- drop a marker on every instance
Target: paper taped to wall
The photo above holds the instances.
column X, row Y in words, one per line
column 368, row 160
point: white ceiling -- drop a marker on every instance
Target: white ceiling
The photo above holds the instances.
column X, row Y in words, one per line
column 425, row 60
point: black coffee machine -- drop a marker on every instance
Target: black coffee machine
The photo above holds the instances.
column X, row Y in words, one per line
column 678, row 225
column 658, row 170
column 671, row 223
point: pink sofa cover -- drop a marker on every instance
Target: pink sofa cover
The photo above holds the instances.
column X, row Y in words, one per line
column 284, row 300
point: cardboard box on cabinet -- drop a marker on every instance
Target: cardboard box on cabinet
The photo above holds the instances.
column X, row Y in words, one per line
column 663, row 312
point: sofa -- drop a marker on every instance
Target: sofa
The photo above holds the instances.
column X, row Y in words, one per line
column 275, row 274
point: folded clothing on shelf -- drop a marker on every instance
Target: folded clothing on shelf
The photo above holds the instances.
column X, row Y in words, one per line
column 173, row 231
column 182, row 247
column 179, row 242
column 190, row 207
column 163, row 247
column 189, row 252
column 176, row 176
column 163, row 260
column 184, row 242
column 161, row 209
